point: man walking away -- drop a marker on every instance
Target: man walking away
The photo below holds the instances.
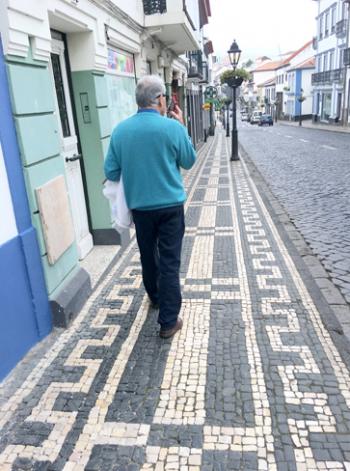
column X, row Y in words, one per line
column 149, row 149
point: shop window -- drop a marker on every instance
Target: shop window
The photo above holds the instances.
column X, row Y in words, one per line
column 121, row 85
column 149, row 68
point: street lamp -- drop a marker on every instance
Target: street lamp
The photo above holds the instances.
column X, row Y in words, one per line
column 228, row 102
column 276, row 104
column 300, row 99
column 234, row 55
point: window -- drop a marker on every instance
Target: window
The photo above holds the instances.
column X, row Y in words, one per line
column 149, row 67
column 333, row 18
column 326, row 25
column 292, row 82
column 325, row 62
column 343, row 11
column 61, row 98
column 321, row 27
column 331, row 60
column 319, row 64
column 341, row 58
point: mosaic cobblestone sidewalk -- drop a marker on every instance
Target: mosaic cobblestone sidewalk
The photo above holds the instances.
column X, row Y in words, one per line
column 253, row 381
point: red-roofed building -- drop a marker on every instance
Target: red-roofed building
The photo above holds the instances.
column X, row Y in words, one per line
column 286, row 86
column 267, row 95
column 299, row 84
column 277, row 83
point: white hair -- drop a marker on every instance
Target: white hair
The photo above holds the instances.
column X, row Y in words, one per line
column 148, row 89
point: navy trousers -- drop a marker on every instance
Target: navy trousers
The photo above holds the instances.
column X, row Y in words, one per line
column 159, row 235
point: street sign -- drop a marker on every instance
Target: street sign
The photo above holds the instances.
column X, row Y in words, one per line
column 211, row 92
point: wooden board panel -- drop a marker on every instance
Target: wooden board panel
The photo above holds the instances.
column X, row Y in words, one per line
column 55, row 217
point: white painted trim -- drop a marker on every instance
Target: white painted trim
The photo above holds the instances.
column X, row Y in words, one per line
column 8, row 228
column 22, row 21
column 58, row 48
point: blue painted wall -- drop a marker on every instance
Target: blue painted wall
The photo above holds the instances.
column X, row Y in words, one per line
column 297, row 92
column 25, row 315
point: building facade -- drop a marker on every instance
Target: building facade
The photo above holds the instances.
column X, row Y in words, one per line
column 346, row 103
column 298, row 90
column 72, row 68
column 287, row 93
column 330, row 78
column 25, row 312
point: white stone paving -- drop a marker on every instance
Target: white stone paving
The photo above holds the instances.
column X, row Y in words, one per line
column 182, row 400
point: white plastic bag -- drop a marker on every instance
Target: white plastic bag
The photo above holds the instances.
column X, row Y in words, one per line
column 121, row 214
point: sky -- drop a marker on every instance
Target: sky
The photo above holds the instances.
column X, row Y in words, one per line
column 261, row 27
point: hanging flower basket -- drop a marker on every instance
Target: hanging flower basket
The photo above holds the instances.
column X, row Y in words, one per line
column 234, row 78
column 235, row 81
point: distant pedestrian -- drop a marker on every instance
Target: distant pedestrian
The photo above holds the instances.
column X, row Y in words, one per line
column 148, row 149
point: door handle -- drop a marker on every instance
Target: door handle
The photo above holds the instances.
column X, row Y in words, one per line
column 75, row 157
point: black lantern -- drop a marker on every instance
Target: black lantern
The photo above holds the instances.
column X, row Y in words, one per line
column 234, row 54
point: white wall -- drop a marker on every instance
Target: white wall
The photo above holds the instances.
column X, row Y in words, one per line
column 261, row 77
column 8, row 229
column 134, row 8
column 307, row 87
column 307, row 53
column 193, row 10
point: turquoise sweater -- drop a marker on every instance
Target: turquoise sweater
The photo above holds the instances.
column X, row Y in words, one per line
column 149, row 149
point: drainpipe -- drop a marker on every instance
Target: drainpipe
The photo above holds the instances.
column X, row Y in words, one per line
column 346, row 114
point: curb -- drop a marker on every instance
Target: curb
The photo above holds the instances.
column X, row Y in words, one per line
column 333, row 308
column 316, row 127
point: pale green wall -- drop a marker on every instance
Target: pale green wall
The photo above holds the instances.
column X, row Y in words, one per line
column 32, row 96
column 94, row 138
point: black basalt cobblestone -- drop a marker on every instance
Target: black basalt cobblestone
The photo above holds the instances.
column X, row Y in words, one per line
column 312, row 184
column 252, row 382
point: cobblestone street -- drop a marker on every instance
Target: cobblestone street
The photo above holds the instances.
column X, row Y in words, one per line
column 253, row 381
column 308, row 171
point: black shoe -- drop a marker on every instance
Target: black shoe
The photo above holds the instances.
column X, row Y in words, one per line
column 166, row 334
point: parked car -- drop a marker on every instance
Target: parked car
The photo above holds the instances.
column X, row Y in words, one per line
column 255, row 118
column 265, row 119
column 244, row 117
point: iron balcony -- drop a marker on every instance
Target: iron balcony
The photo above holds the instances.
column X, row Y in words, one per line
column 340, row 28
column 347, row 56
column 327, row 77
column 195, row 65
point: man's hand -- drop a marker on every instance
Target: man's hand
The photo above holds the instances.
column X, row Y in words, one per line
column 177, row 114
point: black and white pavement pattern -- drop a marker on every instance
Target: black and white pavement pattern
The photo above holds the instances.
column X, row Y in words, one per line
column 309, row 172
column 253, row 381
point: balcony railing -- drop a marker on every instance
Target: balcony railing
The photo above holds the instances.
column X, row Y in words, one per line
column 151, row 7
column 195, row 65
column 327, row 77
column 337, row 75
column 340, row 28
column 347, row 56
